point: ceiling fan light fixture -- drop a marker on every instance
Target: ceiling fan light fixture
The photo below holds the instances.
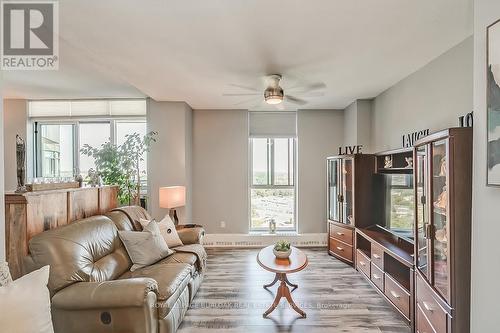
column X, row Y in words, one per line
column 273, row 95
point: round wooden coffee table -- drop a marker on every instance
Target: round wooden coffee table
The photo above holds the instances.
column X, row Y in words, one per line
column 281, row 267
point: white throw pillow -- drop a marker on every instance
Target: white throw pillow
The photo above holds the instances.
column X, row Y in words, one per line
column 145, row 247
column 5, row 278
column 25, row 304
column 167, row 230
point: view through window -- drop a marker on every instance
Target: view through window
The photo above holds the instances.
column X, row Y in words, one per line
column 272, row 191
column 62, row 128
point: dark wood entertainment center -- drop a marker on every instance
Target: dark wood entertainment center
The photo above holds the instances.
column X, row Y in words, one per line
column 425, row 273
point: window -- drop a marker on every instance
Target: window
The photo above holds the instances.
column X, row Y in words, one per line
column 400, row 206
column 61, row 128
column 94, row 134
column 56, row 146
column 272, row 190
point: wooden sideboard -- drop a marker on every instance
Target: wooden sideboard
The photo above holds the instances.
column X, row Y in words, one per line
column 31, row 213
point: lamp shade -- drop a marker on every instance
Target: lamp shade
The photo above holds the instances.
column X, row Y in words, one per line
column 172, row 196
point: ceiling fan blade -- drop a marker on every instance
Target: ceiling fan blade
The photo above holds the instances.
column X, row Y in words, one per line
column 313, row 94
column 295, row 100
column 243, row 94
column 309, row 87
column 243, row 87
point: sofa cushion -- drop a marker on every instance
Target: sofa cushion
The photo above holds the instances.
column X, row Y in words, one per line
column 145, row 247
column 170, row 278
column 167, row 230
column 134, row 214
column 179, row 257
column 88, row 250
column 121, row 220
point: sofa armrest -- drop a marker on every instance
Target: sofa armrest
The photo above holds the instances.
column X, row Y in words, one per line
column 134, row 292
column 191, row 235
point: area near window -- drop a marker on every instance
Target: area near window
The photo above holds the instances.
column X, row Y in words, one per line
column 58, row 138
column 272, row 191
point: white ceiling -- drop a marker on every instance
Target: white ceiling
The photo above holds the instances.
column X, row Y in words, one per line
column 195, row 51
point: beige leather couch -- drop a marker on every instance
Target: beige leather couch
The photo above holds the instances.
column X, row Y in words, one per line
column 93, row 289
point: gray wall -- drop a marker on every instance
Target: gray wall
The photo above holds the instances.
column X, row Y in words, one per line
column 220, row 170
column 2, row 206
column 357, row 124
column 170, row 156
column 220, row 167
column 15, row 119
column 433, row 97
column 485, row 222
column 320, row 133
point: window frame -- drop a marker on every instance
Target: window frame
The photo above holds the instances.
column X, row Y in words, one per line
column 292, row 179
column 36, row 122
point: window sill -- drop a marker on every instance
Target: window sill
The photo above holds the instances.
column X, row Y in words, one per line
column 277, row 233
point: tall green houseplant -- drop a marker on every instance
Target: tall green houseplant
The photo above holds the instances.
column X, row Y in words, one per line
column 120, row 165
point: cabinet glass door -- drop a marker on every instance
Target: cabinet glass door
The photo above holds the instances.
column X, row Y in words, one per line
column 347, row 186
column 422, row 210
column 333, row 190
column 440, row 217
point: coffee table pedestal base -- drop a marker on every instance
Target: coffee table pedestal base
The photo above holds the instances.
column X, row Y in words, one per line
column 283, row 291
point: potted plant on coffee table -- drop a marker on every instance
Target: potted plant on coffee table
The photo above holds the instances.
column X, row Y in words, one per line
column 282, row 249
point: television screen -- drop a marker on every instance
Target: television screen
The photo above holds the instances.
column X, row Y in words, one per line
column 400, row 204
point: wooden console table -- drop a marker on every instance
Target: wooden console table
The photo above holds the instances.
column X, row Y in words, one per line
column 31, row 213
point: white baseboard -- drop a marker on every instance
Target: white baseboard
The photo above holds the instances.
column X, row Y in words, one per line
column 261, row 240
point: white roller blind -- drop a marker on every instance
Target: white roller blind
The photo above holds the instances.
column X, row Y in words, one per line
column 272, row 124
column 79, row 108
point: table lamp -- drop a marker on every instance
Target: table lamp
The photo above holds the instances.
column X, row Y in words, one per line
column 172, row 197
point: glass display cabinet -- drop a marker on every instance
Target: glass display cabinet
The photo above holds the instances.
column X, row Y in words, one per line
column 347, row 175
column 443, row 182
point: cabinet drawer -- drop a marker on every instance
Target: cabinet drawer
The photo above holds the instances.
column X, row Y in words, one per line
column 377, row 276
column 423, row 325
column 377, row 256
column 343, row 234
column 430, row 307
column 341, row 249
column 363, row 263
column 398, row 295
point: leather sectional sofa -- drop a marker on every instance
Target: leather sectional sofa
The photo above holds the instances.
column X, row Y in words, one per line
column 93, row 289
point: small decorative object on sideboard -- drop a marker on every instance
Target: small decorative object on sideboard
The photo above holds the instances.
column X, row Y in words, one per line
column 388, row 162
column 94, row 178
column 282, row 249
column 79, row 180
column 21, row 164
column 409, row 162
column 272, row 226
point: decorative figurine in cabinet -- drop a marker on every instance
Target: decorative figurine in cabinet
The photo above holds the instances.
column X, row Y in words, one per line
column 443, row 187
column 349, row 201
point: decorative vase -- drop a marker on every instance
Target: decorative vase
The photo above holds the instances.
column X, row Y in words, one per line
column 20, row 164
column 282, row 254
column 272, row 226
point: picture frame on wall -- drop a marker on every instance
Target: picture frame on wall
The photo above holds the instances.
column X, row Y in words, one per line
column 493, row 104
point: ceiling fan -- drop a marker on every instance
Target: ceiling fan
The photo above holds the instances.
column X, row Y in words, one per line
column 275, row 95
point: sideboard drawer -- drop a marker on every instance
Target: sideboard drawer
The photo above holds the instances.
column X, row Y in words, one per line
column 377, row 277
column 363, row 263
column 430, row 307
column 398, row 295
column 423, row 325
column 343, row 234
column 377, row 256
column 341, row 249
